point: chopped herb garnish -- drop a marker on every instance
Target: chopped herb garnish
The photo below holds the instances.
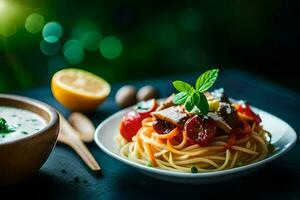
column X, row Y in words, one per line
column 240, row 164
column 192, row 98
column 149, row 164
column 271, row 148
column 4, row 127
column 194, row 170
column 24, row 132
column 3, row 124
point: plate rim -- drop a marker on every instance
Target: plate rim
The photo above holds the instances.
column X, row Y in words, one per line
column 185, row 174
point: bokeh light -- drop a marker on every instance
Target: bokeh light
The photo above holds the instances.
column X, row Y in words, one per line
column 82, row 27
column 56, row 63
column 71, row 42
column 190, row 19
column 34, row 23
column 9, row 17
column 7, row 28
column 52, row 32
column 91, row 40
column 163, row 32
column 111, row 47
column 73, row 51
column 2, row 5
column 48, row 48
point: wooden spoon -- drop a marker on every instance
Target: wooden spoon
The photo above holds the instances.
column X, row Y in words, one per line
column 69, row 136
column 83, row 125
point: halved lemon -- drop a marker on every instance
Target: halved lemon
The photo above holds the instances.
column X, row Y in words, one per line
column 79, row 90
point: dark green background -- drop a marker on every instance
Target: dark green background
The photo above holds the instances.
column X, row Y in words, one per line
column 163, row 37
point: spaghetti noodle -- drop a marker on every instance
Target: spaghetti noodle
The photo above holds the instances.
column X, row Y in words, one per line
column 164, row 151
column 194, row 130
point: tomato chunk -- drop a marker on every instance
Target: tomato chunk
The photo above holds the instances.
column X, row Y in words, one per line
column 242, row 128
column 145, row 108
column 132, row 121
column 246, row 109
column 200, row 130
column 130, row 125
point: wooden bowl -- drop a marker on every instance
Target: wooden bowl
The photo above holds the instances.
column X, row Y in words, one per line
column 21, row 158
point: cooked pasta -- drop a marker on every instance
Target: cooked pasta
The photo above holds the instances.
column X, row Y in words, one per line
column 194, row 130
column 163, row 151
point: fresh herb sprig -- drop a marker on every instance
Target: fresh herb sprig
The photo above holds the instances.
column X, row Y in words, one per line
column 4, row 127
column 192, row 98
column 240, row 164
column 194, row 170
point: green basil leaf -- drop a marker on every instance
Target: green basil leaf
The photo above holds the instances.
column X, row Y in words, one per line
column 191, row 101
column 203, row 104
column 182, row 86
column 195, row 98
column 196, row 110
column 189, row 105
column 206, row 80
column 180, row 98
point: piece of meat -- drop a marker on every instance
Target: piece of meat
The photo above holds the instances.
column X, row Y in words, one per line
column 220, row 122
column 162, row 126
column 166, row 104
column 228, row 113
column 174, row 115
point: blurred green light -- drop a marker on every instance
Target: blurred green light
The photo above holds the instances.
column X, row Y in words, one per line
column 91, row 40
column 52, row 32
column 56, row 63
column 73, row 51
column 7, row 28
column 162, row 32
column 82, row 27
column 71, row 42
column 49, row 49
column 111, row 47
column 34, row 23
column 190, row 19
column 3, row 5
column 74, row 54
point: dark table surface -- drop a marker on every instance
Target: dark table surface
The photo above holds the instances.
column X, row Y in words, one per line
column 278, row 180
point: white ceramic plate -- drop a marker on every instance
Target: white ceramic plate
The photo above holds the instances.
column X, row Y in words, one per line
column 284, row 138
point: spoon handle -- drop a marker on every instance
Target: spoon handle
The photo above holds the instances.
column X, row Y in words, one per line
column 69, row 136
column 62, row 138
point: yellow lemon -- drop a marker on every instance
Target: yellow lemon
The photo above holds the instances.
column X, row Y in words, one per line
column 79, row 90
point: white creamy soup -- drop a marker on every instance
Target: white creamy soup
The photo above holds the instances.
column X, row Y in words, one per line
column 17, row 123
